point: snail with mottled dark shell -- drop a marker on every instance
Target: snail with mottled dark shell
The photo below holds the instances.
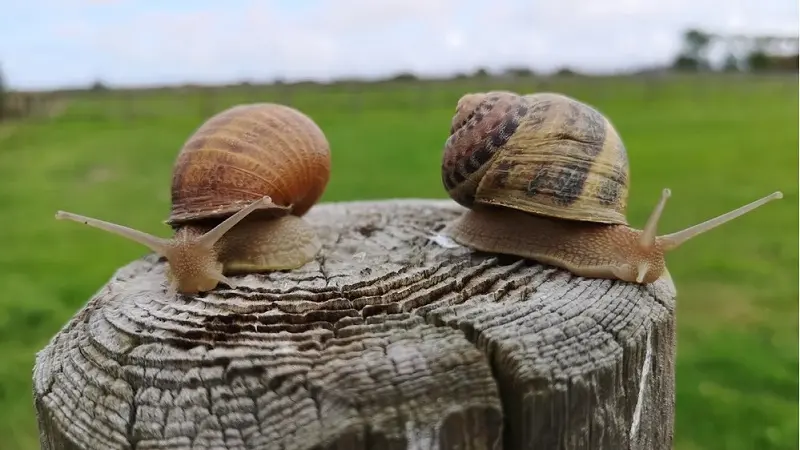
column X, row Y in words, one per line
column 546, row 178
column 240, row 186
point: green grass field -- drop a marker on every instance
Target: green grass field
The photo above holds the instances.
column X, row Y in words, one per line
column 717, row 143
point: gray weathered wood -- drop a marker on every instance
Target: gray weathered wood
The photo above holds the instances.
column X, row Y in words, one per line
column 390, row 340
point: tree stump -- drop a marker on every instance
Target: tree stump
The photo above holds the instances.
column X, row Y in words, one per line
column 392, row 339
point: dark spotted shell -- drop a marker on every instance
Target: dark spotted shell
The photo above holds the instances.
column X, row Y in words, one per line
column 544, row 153
column 245, row 153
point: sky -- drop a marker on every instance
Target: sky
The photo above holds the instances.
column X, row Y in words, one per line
column 48, row 44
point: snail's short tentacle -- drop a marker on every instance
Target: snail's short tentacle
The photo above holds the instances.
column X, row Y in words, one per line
column 641, row 271
column 217, row 274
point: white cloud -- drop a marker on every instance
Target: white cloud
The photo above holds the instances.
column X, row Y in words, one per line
column 348, row 16
column 454, row 39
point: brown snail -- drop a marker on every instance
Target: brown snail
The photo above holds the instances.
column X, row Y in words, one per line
column 546, row 178
column 240, row 186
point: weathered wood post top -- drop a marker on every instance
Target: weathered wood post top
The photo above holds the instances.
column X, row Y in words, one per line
column 391, row 339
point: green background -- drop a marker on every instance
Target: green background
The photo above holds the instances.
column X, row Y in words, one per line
column 717, row 142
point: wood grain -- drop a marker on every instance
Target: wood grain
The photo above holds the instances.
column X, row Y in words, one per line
column 391, row 339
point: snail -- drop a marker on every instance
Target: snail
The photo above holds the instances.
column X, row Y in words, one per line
column 267, row 163
column 545, row 177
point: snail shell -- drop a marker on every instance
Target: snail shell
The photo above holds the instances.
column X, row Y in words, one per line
column 544, row 153
column 247, row 152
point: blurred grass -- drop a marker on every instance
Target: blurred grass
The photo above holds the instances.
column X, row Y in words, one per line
column 717, row 143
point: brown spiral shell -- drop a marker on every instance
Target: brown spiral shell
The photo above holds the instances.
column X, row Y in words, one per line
column 543, row 153
column 244, row 153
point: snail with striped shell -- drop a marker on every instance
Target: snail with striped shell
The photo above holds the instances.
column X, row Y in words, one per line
column 240, row 186
column 545, row 177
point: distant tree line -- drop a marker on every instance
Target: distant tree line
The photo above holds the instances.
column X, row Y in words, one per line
column 742, row 53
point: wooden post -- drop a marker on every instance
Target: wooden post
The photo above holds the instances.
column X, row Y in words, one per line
column 391, row 339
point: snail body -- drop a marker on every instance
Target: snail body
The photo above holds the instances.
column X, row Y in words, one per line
column 545, row 177
column 241, row 184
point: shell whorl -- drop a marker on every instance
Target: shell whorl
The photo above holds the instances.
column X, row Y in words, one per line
column 245, row 152
column 543, row 153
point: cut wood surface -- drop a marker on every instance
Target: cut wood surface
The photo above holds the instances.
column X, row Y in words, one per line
column 393, row 338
